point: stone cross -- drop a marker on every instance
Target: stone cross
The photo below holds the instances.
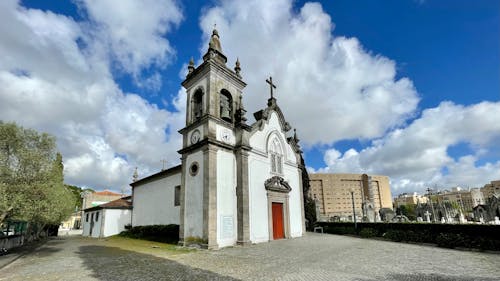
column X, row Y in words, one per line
column 427, row 216
column 271, row 85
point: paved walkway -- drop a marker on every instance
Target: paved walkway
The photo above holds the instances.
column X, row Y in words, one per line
column 314, row 257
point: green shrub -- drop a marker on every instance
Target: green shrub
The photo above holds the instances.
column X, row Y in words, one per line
column 159, row 233
column 450, row 240
column 485, row 237
column 368, row 232
column 395, row 235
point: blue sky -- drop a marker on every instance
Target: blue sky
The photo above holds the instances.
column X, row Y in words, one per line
column 407, row 89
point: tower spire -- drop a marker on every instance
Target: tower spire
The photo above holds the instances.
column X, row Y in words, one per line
column 215, row 49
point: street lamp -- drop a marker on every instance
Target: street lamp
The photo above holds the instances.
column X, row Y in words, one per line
column 353, row 210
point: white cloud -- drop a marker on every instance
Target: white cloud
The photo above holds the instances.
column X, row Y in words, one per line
column 331, row 89
column 350, row 92
column 417, row 156
column 134, row 31
column 51, row 83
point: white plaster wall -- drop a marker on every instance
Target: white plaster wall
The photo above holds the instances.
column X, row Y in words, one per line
column 258, row 141
column 259, row 171
column 115, row 221
column 226, row 199
column 193, row 214
column 154, row 202
column 96, row 230
column 85, row 225
column 293, row 178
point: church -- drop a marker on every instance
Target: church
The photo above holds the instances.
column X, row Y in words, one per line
column 238, row 183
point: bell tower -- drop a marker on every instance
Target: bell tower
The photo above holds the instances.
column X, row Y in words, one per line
column 214, row 133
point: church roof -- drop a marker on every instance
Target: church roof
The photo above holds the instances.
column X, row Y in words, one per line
column 121, row 203
column 161, row 174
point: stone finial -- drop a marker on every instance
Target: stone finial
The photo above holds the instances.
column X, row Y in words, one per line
column 191, row 66
column 240, row 113
column 214, row 51
column 135, row 176
column 215, row 41
column 237, row 67
column 295, row 138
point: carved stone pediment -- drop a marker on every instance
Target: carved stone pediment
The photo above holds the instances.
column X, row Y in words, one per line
column 277, row 184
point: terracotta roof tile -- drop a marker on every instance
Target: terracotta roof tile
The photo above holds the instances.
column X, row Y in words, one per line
column 107, row 193
column 121, row 203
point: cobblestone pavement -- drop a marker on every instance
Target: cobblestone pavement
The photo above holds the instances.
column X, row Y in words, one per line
column 313, row 257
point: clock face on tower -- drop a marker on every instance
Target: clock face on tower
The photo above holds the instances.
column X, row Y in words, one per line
column 195, row 136
column 225, row 136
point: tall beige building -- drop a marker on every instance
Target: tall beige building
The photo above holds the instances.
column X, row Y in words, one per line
column 491, row 188
column 409, row 199
column 333, row 195
column 463, row 199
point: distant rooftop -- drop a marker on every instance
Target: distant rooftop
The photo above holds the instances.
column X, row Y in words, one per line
column 121, row 203
column 107, row 193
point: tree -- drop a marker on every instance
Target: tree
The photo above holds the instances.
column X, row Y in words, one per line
column 77, row 191
column 408, row 211
column 31, row 177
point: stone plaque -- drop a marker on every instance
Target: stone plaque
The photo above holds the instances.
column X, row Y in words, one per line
column 227, row 227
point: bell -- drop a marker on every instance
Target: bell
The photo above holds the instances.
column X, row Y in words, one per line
column 225, row 114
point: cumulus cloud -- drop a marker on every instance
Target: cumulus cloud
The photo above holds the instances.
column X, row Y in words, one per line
column 350, row 92
column 134, row 30
column 56, row 76
column 418, row 156
column 332, row 89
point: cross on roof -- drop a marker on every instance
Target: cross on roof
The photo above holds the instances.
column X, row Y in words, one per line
column 271, row 85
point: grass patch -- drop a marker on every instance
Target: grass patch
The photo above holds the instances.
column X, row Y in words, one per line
column 144, row 246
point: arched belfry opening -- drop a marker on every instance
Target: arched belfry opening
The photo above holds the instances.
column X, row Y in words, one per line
column 197, row 104
column 226, row 105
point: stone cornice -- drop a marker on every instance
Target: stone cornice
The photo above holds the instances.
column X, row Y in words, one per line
column 212, row 65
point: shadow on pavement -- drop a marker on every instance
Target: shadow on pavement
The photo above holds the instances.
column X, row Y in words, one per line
column 111, row 263
column 429, row 277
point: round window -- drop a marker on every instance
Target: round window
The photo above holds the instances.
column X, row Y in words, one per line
column 193, row 170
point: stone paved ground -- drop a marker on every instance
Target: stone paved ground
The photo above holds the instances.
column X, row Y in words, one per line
column 314, row 257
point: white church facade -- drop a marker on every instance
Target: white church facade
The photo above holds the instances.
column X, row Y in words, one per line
column 237, row 183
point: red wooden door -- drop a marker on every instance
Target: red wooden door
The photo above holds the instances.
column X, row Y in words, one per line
column 278, row 231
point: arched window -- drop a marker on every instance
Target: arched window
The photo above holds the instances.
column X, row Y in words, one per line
column 226, row 105
column 197, row 104
column 276, row 155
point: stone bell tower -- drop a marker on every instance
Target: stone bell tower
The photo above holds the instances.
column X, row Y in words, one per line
column 214, row 138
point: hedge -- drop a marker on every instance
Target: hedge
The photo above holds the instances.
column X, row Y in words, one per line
column 478, row 236
column 159, row 233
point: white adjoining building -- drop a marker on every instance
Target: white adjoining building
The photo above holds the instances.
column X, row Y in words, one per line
column 238, row 183
column 107, row 219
